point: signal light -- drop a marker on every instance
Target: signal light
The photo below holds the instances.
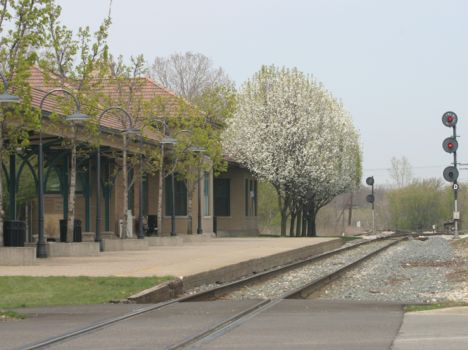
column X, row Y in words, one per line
column 449, row 119
column 450, row 145
column 450, row 174
column 370, row 180
column 370, row 198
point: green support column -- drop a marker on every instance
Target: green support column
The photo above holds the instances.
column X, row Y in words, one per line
column 12, row 188
column 107, row 194
column 107, row 209
column 87, row 194
column 64, row 186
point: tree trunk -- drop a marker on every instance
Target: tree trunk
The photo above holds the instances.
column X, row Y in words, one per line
column 311, row 226
column 291, row 225
column 299, row 222
column 125, row 187
column 2, row 212
column 350, row 211
column 304, row 222
column 71, row 193
column 283, row 204
column 189, row 209
column 160, row 190
column 284, row 222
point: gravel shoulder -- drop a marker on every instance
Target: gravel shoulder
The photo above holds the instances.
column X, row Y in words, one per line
column 412, row 272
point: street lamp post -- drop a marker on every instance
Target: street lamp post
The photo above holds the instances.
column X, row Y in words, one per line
column 161, row 170
column 167, row 140
column 199, row 150
column 128, row 130
column 141, row 234
column 173, row 225
column 74, row 117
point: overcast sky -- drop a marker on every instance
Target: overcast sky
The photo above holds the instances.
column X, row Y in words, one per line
column 396, row 65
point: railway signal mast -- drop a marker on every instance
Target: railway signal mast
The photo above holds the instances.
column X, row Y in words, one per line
column 371, row 199
column 450, row 145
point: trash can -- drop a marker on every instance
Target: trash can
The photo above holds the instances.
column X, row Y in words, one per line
column 76, row 231
column 152, row 225
column 14, row 233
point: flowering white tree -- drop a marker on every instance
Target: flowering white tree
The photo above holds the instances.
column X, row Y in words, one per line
column 290, row 131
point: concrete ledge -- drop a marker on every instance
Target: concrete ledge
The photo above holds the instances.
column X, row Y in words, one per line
column 88, row 236
column 161, row 292
column 245, row 268
column 164, row 241
column 73, row 249
column 112, row 245
column 179, row 240
column 17, row 256
column 204, row 237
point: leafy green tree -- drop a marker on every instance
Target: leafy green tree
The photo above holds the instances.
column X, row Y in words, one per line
column 75, row 62
column 419, row 205
column 22, row 28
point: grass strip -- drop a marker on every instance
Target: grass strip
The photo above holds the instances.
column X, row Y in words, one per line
column 425, row 307
column 11, row 315
column 25, row 291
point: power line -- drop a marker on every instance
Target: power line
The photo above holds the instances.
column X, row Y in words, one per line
column 412, row 167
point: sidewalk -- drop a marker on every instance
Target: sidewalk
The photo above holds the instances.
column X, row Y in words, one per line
column 181, row 260
column 434, row 330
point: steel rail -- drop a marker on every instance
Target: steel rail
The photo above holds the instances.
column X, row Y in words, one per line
column 230, row 323
column 219, row 291
column 204, row 295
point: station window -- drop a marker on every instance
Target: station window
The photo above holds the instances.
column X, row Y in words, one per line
column 180, row 195
column 53, row 185
column 222, row 197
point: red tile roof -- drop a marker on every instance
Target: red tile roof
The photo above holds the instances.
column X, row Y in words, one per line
column 116, row 93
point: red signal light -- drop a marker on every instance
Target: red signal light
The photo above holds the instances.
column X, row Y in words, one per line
column 449, row 119
column 450, row 145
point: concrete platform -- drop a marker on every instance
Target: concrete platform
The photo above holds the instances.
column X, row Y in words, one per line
column 222, row 257
column 13, row 256
column 73, row 249
column 112, row 245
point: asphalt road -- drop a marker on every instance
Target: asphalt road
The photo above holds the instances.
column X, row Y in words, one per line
column 291, row 324
column 301, row 324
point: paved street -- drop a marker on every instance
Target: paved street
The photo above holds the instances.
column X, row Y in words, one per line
column 291, row 324
column 434, row 330
column 299, row 324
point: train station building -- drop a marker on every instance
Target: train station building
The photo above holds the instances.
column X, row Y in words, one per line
column 224, row 204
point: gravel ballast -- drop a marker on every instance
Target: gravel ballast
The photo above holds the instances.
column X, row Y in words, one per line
column 414, row 271
column 279, row 285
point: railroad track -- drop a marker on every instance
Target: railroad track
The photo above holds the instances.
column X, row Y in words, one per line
column 220, row 291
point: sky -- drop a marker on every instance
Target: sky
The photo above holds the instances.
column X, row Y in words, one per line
column 397, row 65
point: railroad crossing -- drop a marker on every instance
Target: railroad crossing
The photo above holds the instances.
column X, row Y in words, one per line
column 230, row 315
